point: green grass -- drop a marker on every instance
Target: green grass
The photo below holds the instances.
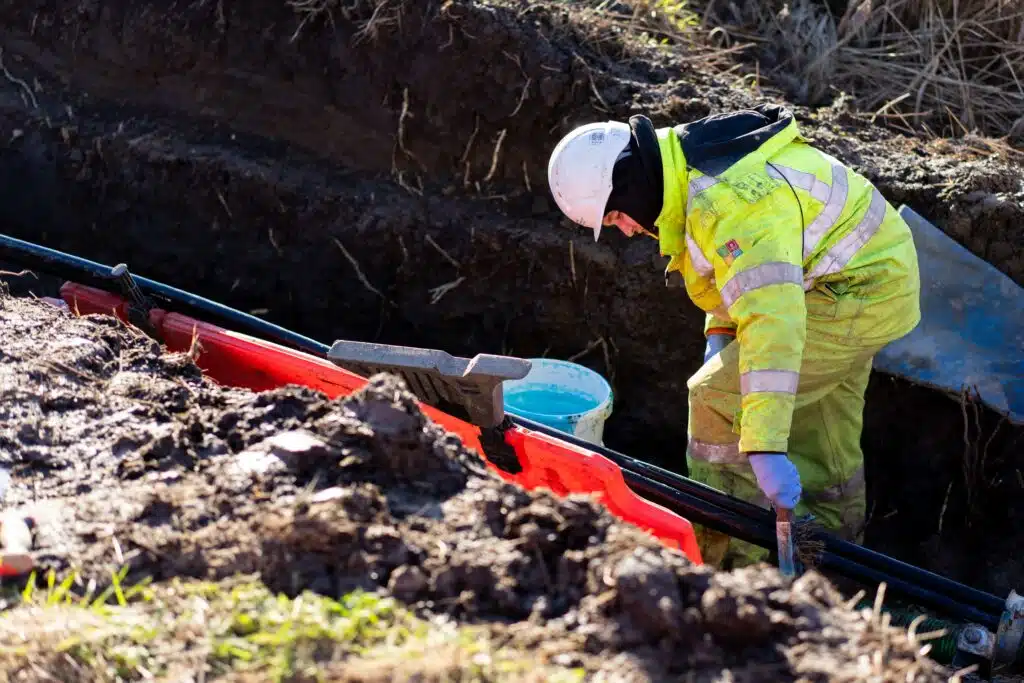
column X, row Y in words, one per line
column 238, row 626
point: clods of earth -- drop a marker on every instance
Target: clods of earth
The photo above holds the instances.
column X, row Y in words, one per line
column 375, row 170
column 196, row 532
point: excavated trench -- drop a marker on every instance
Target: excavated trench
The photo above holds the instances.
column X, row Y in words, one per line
column 375, row 171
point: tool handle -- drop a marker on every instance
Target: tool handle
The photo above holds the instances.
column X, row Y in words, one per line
column 784, row 537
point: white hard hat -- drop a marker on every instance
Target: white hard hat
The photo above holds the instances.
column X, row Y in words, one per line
column 580, row 170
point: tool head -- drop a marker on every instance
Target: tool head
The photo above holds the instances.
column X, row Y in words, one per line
column 469, row 388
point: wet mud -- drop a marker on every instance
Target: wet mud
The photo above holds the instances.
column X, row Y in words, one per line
column 129, row 458
column 375, row 171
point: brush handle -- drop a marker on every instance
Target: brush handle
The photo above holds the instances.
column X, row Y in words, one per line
column 784, row 538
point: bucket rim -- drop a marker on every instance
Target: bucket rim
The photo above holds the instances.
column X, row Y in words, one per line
column 603, row 402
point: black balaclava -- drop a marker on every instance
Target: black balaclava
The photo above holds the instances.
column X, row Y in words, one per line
column 637, row 189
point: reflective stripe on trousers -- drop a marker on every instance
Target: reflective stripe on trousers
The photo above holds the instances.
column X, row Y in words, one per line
column 718, row 453
column 728, row 454
column 839, row 491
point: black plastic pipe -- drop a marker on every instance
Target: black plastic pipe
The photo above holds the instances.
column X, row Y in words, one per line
column 86, row 272
column 971, row 596
column 693, row 500
column 759, row 533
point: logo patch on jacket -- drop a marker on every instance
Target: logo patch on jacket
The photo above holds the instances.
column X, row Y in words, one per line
column 753, row 187
column 730, row 251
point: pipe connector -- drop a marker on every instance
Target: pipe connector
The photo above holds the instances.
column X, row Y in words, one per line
column 994, row 653
column 975, row 646
column 1010, row 635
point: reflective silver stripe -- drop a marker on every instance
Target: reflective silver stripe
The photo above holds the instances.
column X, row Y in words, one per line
column 836, row 258
column 829, row 213
column 772, row 273
column 721, row 453
column 834, row 199
column 696, row 186
column 779, row 381
column 839, row 491
column 805, row 181
column 697, row 257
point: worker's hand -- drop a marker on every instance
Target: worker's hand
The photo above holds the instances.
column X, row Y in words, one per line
column 716, row 342
column 778, row 478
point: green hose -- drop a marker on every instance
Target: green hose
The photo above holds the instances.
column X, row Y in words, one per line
column 944, row 648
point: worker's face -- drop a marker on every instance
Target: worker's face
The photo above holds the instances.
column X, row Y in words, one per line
column 625, row 224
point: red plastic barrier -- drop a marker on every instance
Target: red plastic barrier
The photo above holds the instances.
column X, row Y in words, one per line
column 235, row 359
column 565, row 468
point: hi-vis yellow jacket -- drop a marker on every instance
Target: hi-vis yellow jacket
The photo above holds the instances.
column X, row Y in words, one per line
column 737, row 189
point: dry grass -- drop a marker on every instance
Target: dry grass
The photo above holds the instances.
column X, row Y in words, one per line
column 675, row 22
column 941, row 67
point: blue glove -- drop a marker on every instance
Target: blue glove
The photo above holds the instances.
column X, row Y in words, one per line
column 716, row 342
column 778, row 478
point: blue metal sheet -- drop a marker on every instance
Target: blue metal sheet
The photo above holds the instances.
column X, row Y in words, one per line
column 972, row 325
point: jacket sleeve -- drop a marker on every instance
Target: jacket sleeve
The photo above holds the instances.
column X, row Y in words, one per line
column 762, row 289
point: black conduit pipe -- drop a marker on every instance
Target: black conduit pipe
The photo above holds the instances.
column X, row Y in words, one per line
column 753, row 531
column 695, row 501
column 970, row 596
column 90, row 273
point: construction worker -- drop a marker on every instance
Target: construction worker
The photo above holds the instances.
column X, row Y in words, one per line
column 804, row 271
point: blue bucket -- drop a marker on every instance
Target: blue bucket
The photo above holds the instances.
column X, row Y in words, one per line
column 565, row 396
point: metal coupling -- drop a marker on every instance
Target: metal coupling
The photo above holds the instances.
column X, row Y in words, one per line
column 1010, row 636
column 974, row 647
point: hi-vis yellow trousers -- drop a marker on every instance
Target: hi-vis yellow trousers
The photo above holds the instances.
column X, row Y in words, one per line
column 824, row 441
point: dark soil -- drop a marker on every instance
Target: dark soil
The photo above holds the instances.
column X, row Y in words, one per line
column 128, row 457
column 236, row 150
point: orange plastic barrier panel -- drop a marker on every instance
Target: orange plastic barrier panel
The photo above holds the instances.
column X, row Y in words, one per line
column 236, row 359
column 564, row 468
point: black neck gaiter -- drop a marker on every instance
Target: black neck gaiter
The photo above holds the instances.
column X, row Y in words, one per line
column 637, row 177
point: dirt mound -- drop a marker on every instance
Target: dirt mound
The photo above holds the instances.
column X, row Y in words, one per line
column 129, row 458
column 375, row 171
